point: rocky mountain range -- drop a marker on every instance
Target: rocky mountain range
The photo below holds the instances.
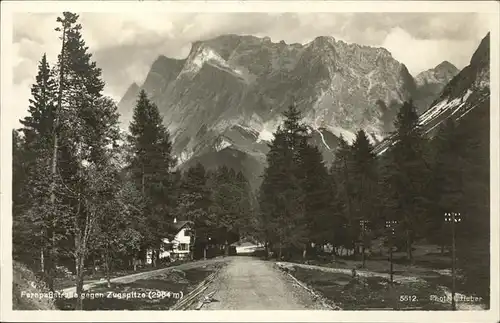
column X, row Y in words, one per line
column 223, row 102
column 469, row 90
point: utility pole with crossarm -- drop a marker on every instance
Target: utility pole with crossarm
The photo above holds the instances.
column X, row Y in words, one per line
column 391, row 228
column 453, row 218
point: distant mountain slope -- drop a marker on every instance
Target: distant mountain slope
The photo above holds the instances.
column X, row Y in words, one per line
column 468, row 90
column 430, row 83
column 230, row 92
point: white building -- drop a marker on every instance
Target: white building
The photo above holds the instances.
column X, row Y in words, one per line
column 180, row 246
column 247, row 247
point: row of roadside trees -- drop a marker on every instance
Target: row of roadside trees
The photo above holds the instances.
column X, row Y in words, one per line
column 304, row 204
column 86, row 193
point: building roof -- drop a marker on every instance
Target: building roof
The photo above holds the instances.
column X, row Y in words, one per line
column 180, row 224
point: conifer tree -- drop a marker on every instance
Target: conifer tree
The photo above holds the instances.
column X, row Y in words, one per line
column 38, row 126
column 341, row 170
column 151, row 167
column 405, row 179
column 34, row 150
column 317, row 197
column 195, row 205
column 445, row 191
column 281, row 196
column 364, row 187
column 85, row 131
column 473, row 232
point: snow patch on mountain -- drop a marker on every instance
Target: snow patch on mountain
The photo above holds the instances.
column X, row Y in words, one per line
column 265, row 135
column 222, row 144
column 483, row 79
column 323, row 139
column 266, row 132
column 183, row 157
column 341, row 132
column 444, row 106
column 205, row 55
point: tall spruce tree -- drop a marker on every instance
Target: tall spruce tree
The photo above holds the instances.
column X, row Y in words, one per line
column 473, row 232
column 37, row 130
column 364, row 187
column 85, row 130
column 445, row 191
column 38, row 126
column 317, row 199
column 151, row 166
column 406, row 177
column 337, row 223
column 341, row 170
column 281, row 196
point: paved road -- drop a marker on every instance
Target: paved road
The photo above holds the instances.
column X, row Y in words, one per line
column 248, row 283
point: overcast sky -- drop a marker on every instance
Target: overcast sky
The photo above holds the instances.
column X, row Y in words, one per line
column 124, row 45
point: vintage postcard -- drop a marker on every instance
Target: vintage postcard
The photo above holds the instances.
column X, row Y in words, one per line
column 249, row 161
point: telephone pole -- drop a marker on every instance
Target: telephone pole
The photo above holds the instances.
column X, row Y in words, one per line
column 390, row 226
column 453, row 218
column 363, row 224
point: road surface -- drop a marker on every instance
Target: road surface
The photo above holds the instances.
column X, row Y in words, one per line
column 247, row 283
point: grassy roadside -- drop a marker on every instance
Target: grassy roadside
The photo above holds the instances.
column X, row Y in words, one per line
column 364, row 293
column 66, row 282
column 429, row 265
column 154, row 293
column 370, row 291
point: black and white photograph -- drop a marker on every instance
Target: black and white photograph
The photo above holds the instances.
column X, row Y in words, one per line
column 233, row 157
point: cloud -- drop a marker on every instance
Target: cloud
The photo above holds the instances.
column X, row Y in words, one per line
column 125, row 44
column 421, row 54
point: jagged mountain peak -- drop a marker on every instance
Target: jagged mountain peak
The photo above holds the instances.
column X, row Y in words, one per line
column 440, row 74
column 234, row 82
column 431, row 82
column 445, row 65
column 323, row 40
column 132, row 90
column 483, row 51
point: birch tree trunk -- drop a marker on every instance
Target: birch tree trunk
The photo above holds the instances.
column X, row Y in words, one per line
column 107, row 265
column 42, row 262
column 79, row 279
